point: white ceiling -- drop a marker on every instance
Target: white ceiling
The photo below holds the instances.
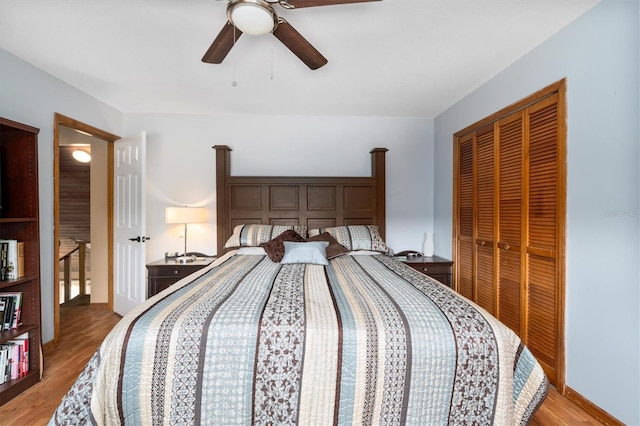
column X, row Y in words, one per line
column 392, row 58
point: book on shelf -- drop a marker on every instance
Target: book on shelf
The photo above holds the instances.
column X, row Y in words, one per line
column 4, row 260
column 8, row 312
column 14, row 265
column 22, row 344
column 20, row 259
column 3, row 307
column 14, row 358
column 11, row 305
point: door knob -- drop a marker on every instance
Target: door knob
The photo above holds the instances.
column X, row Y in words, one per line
column 139, row 239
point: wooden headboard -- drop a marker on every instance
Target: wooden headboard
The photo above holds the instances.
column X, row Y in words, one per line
column 318, row 202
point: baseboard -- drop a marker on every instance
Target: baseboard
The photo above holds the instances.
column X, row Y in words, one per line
column 589, row 407
column 100, row 305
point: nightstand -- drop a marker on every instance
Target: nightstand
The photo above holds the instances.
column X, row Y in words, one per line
column 164, row 272
column 436, row 267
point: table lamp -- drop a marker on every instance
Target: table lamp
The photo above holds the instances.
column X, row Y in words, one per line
column 185, row 215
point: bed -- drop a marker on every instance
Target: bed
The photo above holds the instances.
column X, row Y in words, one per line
column 305, row 319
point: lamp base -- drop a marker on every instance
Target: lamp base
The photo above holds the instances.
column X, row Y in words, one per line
column 185, row 259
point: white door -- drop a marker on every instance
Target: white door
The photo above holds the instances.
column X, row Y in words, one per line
column 129, row 228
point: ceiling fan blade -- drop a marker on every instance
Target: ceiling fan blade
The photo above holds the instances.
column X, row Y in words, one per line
column 222, row 44
column 311, row 3
column 299, row 45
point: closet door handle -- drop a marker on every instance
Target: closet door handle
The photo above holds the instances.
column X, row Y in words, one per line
column 488, row 243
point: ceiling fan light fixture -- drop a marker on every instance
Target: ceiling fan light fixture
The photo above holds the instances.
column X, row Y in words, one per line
column 255, row 17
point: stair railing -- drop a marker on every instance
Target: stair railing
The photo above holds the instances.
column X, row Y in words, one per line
column 82, row 278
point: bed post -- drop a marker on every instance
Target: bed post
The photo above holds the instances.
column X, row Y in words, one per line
column 223, row 171
column 378, row 172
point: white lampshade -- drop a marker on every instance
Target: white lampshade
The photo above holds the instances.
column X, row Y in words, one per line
column 185, row 215
column 254, row 17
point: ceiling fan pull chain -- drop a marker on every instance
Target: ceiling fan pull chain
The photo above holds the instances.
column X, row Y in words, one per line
column 271, row 63
column 234, row 83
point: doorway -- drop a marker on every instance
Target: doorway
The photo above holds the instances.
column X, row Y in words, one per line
column 98, row 247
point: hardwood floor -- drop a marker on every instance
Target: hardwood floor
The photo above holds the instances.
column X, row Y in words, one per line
column 82, row 330
column 84, row 327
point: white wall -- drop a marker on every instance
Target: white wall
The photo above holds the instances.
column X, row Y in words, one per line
column 30, row 96
column 599, row 56
column 181, row 166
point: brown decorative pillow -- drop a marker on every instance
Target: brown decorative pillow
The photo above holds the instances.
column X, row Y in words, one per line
column 275, row 247
column 334, row 249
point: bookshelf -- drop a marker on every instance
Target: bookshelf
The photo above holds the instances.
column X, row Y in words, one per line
column 19, row 221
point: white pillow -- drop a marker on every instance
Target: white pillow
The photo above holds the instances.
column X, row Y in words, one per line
column 363, row 253
column 314, row 252
column 252, row 251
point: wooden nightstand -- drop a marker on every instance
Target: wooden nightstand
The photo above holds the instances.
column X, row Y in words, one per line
column 436, row 267
column 164, row 272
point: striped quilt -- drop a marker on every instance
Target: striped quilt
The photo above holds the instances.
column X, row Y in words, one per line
column 365, row 340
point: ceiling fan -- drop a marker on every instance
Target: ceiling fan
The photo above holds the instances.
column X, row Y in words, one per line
column 258, row 17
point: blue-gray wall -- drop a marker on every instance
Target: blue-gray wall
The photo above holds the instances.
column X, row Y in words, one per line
column 599, row 56
column 31, row 96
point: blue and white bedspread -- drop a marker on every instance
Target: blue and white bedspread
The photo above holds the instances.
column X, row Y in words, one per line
column 365, row 340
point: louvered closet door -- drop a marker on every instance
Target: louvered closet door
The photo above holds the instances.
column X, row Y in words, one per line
column 510, row 232
column 465, row 235
column 509, row 247
column 542, row 234
column 485, row 292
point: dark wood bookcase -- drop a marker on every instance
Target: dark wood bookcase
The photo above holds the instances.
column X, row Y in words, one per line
column 19, row 221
